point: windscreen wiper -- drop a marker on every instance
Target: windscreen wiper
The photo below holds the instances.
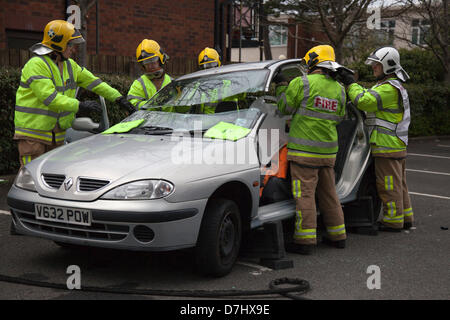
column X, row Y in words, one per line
column 200, row 132
column 152, row 130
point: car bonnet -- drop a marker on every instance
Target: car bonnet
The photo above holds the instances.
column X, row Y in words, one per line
column 121, row 158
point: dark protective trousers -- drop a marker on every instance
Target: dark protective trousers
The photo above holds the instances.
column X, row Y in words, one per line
column 393, row 191
column 305, row 180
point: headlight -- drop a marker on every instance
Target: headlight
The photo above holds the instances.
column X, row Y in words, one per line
column 24, row 180
column 140, row 190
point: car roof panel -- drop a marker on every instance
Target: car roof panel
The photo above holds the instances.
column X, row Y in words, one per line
column 268, row 64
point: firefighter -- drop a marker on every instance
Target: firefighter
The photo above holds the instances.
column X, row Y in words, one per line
column 152, row 59
column 207, row 59
column 388, row 118
column 45, row 101
column 317, row 102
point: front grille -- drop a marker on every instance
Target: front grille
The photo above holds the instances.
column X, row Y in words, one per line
column 86, row 184
column 53, row 180
column 96, row 231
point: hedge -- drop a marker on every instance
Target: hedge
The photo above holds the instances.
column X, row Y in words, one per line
column 429, row 103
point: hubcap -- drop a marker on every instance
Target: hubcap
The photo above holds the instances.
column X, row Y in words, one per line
column 227, row 236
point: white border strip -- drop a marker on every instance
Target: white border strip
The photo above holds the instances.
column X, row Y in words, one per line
column 432, row 172
column 5, row 212
column 427, row 155
column 429, row 195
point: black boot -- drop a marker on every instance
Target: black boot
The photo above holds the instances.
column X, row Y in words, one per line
column 340, row 244
column 407, row 225
column 304, row 249
column 382, row 227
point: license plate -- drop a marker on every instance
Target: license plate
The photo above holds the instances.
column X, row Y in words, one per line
column 62, row 214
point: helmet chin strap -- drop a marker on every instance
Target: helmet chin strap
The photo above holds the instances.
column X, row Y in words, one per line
column 384, row 76
column 156, row 74
column 55, row 54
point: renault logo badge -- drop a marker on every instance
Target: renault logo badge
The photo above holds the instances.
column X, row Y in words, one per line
column 68, row 183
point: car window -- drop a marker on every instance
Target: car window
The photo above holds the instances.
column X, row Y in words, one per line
column 210, row 89
column 194, row 122
column 290, row 72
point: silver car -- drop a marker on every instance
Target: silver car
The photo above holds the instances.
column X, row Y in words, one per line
column 169, row 177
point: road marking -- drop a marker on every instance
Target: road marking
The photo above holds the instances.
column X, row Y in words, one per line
column 252, row 265
column 432, row 172
column 427, row 155
column 5, row 212
column 443, row 145
column 429, row 195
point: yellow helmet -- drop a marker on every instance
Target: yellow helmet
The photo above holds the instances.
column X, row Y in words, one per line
column 149, row 50
column 209, row 58
column 319, row 54
column 58, row 34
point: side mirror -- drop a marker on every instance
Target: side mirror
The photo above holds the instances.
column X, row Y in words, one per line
column 84, row 124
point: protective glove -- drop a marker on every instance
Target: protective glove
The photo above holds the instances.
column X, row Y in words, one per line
column 125, row 104
column 346, row 76
column 89, row 106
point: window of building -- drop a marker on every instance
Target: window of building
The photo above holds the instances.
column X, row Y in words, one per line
column 387, row 31
column 278, row 35
column 419, row 31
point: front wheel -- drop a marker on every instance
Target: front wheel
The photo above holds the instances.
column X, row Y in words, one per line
column 219, row 238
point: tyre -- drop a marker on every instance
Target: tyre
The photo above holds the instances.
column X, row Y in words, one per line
column 368, row 187
column 219, row 238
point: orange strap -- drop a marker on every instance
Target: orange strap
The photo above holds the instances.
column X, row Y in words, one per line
column 278, row 169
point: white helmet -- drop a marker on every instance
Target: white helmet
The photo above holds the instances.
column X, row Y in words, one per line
column 390, row 60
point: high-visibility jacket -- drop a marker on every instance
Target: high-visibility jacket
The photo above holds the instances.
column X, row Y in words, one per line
column 46, row 100
column 388, row 116
column 317, row 103
column 143, row 89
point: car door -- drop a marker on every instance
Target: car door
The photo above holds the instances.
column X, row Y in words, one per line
column 273, row 132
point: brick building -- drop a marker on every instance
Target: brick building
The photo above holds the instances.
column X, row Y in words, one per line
column 182, row 27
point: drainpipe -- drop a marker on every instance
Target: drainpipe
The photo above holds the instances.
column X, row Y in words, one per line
column 260, row 31
column 216, row 23
column 97, row 24
column 65, row 9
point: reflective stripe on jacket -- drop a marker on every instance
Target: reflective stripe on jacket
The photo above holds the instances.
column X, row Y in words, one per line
column 388, row 114
column 317, row 103
column 143, row 89
column 46, row 98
